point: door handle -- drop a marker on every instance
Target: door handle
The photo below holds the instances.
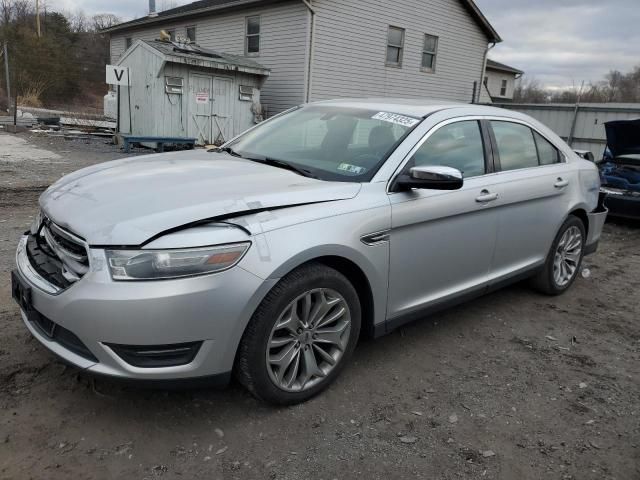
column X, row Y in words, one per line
column 486, row 196
column 561, row 183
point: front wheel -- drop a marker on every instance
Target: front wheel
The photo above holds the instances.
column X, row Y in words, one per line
column 300, row 337
column 564, row 260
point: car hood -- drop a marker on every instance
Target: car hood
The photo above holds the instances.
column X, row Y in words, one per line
column 127, row 202
column 623, row 137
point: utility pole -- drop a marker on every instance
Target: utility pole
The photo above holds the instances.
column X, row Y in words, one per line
column 38, row 18
column 6, row 72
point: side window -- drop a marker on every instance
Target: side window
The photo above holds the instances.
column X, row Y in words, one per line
column 458, row 145
column 252, row 36
column 191, row 34
column 395, row 46
column 516, row 146
column 548, row 153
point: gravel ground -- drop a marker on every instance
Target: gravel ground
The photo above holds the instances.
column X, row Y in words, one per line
column 512, row 385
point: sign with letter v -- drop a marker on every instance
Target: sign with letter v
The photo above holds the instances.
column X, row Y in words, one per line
column 117, row 75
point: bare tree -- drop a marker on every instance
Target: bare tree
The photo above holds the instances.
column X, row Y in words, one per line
column 529, row 90
column 104, row 20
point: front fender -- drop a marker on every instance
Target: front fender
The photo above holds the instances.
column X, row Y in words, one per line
column 277, row 252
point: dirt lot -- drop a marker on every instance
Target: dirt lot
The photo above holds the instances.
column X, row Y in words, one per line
column 513, row 385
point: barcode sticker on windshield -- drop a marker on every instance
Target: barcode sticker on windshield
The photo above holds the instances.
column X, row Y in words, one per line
column 346, row 167
column 396, row 118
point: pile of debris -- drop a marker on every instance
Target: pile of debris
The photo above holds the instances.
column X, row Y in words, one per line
column 59, row 123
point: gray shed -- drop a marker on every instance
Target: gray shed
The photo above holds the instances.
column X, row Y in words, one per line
column 182, row 90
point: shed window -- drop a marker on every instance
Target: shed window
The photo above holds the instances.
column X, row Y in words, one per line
column 395, row 46
column 191, row 33
column 252, row 41
column 429, row 52
column 172, row 34
column 503, row 88
column 128, row 42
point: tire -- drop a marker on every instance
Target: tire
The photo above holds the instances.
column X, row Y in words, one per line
column 549, row 281
column 276, row 332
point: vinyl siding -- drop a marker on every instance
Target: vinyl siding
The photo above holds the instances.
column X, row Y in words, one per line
column 350, row 49
column 283, row 46
column 494, row 84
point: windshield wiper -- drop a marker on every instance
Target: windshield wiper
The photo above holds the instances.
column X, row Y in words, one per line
column 228, row 150
column 274, row 162
column 267, row 161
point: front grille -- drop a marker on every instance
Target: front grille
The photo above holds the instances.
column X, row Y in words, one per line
column 45, row 262
column 58, row 256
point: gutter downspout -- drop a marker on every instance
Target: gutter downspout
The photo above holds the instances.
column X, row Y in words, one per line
column 484, row 68
column 312, row 36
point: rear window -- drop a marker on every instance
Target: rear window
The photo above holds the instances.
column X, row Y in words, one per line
column 547, row 153
column 516, row 146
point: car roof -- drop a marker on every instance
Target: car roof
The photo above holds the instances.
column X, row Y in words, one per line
column 414, row 107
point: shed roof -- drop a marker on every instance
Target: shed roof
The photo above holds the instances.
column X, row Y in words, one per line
column 194, row 55
column 493, row 65
column 206, row 6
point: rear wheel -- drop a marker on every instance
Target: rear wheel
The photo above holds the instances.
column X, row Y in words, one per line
column 300, row 337
column 564, row 260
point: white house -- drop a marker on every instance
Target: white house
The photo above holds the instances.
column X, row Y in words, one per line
column 320, row 49
column 499, row 82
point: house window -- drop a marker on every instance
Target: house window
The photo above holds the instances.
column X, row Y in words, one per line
column 191, row 34
column 503, row 88
column 252, row 40
column 395, row 46
column 172, row 34
column 429, row 52
column 128, row 42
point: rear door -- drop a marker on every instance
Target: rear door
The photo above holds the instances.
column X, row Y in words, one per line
column 534, row 182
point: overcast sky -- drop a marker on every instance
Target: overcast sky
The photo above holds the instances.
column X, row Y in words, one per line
column 558, row 42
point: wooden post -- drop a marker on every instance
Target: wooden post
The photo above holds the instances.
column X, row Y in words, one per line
column 6, row 72
column 118, row 111
column 38, row 18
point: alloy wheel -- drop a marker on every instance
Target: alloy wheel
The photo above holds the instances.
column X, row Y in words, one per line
column 567, row 256
column 308, row 340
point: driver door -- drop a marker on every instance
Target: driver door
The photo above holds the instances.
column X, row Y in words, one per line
column 442, row 242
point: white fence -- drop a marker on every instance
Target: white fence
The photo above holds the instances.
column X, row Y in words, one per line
column 581, row 126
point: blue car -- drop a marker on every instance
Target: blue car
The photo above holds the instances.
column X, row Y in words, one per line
column 620, row 168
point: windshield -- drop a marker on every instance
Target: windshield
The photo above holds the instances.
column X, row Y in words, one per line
column 332, row 143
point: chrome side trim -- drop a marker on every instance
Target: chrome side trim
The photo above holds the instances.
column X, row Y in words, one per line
column 29, row 273
column 376, row 238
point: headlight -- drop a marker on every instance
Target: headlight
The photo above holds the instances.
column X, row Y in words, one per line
column 163, row 264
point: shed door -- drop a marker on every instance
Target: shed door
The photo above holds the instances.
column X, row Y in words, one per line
column 200, row 102
column 222, row 119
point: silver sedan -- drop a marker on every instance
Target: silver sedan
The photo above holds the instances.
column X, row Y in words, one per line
column 270, row 256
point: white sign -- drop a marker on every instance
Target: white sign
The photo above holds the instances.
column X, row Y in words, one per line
column 396, row 118
column 202, row 97
column 117, row 75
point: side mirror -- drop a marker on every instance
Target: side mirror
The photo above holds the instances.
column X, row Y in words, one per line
column 430, row 177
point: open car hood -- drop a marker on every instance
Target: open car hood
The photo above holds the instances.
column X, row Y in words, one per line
column 623, row 137
column 130, row 201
